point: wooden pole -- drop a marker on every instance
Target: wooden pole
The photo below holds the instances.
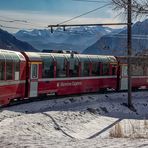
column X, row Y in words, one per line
column 129, row 44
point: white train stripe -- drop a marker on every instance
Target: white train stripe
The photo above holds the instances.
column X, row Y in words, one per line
column 139, row 76
column 75, row 78
column 4, row 83
column 134, row 77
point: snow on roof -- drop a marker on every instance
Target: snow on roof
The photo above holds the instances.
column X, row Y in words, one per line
column 81, row 57
column 9, row 55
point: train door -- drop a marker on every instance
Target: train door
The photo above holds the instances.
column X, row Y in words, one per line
column 34, row 80
column 124, row 78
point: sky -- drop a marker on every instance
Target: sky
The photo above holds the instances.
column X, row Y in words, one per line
column 30, row 14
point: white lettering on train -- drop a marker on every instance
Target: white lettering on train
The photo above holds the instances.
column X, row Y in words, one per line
column 65, row 84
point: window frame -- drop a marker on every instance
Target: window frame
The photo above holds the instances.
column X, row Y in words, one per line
column 98, row 67
column 61, row 71
column 36, row 73
column 74, row 69
column 49, row 68
column 3, row 70
column 107, row 72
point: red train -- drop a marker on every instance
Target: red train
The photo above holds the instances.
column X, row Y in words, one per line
column 25, row 75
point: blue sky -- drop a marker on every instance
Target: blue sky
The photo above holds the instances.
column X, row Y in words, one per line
column 40, row 13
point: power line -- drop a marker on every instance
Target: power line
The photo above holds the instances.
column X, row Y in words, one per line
column 98, row 1
column 6, row 21
column 15, row 28
column 84, row 13
column 24, row 22
column 8, row 27
column 110, row 35
column 91, row 1
column 124, row 36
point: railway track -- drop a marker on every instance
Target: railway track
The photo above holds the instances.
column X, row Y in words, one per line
column 54, row 97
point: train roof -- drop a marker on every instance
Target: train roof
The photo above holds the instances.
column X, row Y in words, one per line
column 33, row 56
column 9, row 55
column 81, row 57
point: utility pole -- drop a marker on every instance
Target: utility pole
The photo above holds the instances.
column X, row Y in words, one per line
column 129, row 45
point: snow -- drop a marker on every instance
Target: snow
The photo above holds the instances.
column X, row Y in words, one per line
column 93, row 120
column 39, row 33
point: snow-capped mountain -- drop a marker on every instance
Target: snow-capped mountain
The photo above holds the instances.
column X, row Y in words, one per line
column 116, row 44
column 77, row 39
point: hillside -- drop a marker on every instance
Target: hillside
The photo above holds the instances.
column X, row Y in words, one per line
column 8, row 41
column 116, row 44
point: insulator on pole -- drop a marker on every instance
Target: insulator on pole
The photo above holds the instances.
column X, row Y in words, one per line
column 64, row 28
column 51, row 29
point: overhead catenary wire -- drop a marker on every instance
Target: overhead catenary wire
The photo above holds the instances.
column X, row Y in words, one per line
column 11, row 21
column 24, row 22
column 93, row 1
column 9, row 18
column 124, row 36
column 15, row 28
column 62, row 24
column 83, row 14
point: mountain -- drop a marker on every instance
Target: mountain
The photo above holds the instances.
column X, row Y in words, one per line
column 76, row 39
column 116, row 44
column 8, row 41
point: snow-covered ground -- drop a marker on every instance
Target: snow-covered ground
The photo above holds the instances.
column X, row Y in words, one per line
column 88, row 121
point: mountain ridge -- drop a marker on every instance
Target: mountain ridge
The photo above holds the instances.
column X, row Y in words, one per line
column 77, row 39
column 9, row 42
column 116, row 44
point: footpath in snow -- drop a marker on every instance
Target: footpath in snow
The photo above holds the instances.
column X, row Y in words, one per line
column 98, row 120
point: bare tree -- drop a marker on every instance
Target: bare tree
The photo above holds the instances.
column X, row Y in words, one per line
column 139, row 7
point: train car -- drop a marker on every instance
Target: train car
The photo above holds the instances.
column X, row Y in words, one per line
column 139, row 72
column 12, row 76
column 28, row 74
column 62, row 74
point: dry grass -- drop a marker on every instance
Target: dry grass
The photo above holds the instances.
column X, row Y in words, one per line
column 130, row 129
column 117, row 131
column 146, row 124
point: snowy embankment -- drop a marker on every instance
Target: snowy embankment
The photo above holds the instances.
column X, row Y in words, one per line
column 85, row 121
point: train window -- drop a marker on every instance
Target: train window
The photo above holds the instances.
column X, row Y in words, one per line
column 137, row 70
column 114, row 70
column 16, row 70
column 34, row 71
column 95, row 69
column 2, row 70
column 105, row 69
column 85, row 69
column 124, row 70
column 16, row 62
column 73, row 68
column 9, row 70
column 61, row 67
column 47, row 67
column 146, row 70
